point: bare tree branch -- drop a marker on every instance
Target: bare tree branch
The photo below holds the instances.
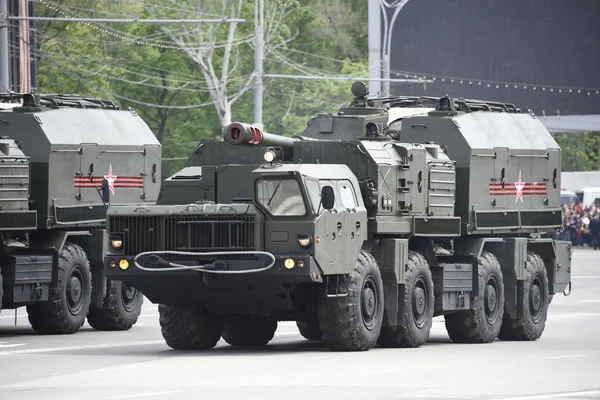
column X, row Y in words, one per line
column 219, row 64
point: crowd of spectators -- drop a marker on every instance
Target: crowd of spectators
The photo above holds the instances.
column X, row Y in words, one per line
column 581, row 225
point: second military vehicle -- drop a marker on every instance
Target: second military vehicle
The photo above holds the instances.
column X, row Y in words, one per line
column 362, row 229
column 63, row 161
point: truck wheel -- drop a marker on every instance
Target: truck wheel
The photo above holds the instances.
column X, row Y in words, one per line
column 353, row 323
column 188, row 328
column 309, row 329
column 249, row 331
column 69, row 301
column 535, row 304
column 419, row 307
column 122, row 311
column 481, row 324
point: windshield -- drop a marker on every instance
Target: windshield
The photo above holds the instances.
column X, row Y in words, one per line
column 280, row 196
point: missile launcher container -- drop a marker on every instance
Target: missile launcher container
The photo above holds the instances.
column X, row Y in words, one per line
column 63, row 161
column 362, row 229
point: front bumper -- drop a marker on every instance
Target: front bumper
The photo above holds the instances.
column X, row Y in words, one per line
column 269, row 291
column 304, row 269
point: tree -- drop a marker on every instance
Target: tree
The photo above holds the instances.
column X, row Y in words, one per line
column 216, row 48
column 580, row 151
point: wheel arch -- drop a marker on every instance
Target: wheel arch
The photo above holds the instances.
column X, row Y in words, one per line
column 93, row 243
column 58, row 239
column 546, row 250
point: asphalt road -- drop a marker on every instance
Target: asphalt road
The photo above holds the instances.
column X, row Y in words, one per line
column 90, row 365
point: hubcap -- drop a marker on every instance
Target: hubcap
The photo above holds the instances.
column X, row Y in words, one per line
column 420, row 300
column 535, row 298
column 369, row 303
column 128, row 294
column 491, row 299
column 75, row 291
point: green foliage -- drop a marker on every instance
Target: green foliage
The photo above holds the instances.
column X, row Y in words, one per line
column 580, row 151
column 142, row 65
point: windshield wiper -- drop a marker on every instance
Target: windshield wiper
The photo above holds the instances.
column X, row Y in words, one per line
column 275, row 191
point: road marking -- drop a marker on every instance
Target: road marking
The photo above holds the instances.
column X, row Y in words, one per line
column 131, row 396
column 123, row 367
column 13, row 317
column 575, row 315
column 379, row 371
column 586, row 277
column 561, row 357
column 84, row 347
column 103, row 346
column 4, row 345
column 552, row 395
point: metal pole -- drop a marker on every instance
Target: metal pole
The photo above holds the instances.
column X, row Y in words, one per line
column 33, row 50
column 24, row 48
column 374, row 31
column 4, row 49
column 258, row 62
column 134, row 20
column 397, row 6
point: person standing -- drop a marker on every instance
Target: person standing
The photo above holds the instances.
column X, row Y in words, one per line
column 595, row 231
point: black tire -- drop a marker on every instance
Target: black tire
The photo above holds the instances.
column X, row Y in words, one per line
column 353, row 323
column 69, row 302
column 309, row 329
column 188, row 327
column 419, row 307
column 122, row 311
column 249, row 331
column 535, row 304
column 482, row 323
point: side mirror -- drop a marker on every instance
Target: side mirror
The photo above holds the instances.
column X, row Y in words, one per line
column 105, row 192
column 327, row 197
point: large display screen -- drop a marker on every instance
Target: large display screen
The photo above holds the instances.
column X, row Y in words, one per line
column 538, row 54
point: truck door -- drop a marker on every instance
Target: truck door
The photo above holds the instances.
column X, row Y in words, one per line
column 553, row 176
column 330, row 232
column 500, row 177
column 151, row 172
column 351, row 221
column 88, row 177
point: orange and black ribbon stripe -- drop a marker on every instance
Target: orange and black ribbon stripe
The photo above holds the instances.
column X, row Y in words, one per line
column 121, row 182
column 530, row 189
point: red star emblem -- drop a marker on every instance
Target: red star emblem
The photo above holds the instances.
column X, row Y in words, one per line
column 111, row 180
column 519, row 185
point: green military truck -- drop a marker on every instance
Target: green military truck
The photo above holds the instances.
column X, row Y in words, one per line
column 63, row 161
column 362, row 229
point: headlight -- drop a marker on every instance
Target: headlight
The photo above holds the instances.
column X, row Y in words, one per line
column 304, row 241
column 289, row 263
column 116, row 242
column 123, row 264
column 269, row 155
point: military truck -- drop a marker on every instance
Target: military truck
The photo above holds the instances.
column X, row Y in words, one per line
column 64, row 160
column 362, row 229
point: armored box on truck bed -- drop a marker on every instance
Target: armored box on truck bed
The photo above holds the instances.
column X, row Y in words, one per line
column 73, row 144
column 507, row 168
column 14, row 188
